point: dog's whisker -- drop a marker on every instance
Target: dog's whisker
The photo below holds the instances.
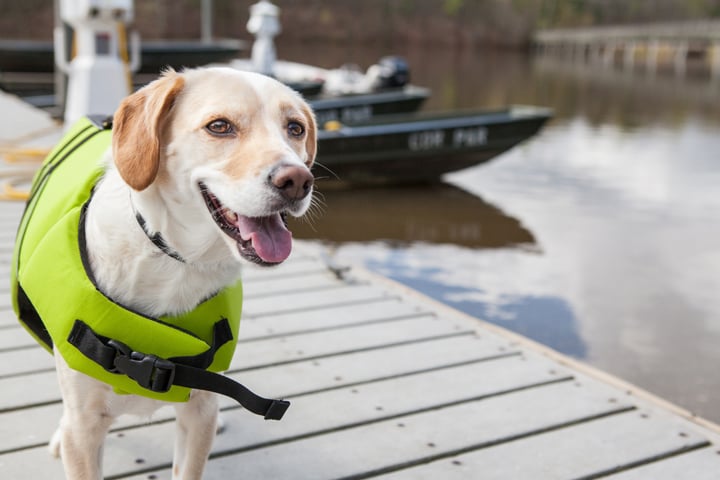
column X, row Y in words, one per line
column 328, row 169
column 309, row 219
column 312, row 215
column 314, row 211
column 318, row 202
column 318, row 196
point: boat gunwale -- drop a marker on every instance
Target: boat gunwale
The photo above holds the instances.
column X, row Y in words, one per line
column 411, row 92
column 382, row 125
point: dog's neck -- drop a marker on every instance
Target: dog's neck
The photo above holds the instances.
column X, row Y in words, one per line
column 132, row 270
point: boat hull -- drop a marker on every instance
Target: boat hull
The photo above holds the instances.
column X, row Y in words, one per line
column 421, row 148
column 359, row 108
column 39, row 57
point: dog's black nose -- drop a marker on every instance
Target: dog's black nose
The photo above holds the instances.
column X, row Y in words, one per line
column 294, row 182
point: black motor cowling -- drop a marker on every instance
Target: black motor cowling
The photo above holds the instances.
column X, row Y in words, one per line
column 393, row 72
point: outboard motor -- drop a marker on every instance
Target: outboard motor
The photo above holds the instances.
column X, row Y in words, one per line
column 391, row 72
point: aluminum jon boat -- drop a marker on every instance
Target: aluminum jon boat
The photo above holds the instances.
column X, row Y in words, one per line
column 420, row 148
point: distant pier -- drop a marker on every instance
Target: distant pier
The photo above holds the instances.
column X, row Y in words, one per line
column 649, row 46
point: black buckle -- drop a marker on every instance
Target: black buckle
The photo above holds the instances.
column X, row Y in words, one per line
column 149, row 371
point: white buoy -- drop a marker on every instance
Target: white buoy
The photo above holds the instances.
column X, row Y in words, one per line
column 98, row 76
column 265, row 25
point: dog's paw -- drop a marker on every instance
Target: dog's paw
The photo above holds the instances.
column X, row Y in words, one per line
column 54, row 445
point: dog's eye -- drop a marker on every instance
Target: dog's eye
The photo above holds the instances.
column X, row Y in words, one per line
column 295, row 129
column 219, row 127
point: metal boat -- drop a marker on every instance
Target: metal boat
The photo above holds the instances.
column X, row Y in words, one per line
column 422, row 147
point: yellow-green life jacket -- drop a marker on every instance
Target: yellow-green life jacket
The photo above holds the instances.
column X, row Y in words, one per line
column 55, row 297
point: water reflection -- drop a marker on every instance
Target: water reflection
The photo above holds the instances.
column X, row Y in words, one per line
column 628, row 220
column 404, row 225
column 638, row 97
column 431, row 214
column 546, row 318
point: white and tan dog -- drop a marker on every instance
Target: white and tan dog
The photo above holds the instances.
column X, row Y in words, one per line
column 212, row 159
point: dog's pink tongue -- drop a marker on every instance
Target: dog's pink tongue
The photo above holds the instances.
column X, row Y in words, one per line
column 270, row 239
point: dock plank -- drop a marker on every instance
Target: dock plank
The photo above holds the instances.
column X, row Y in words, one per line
column 298, row 266
column 7, row 316
column 15, row 337
column 391, row 443
column 289, row 323
column 334, row 342
column 343, row 295
column 18, row 362
column 703, row 464
column 588, row 450
column 320, row 280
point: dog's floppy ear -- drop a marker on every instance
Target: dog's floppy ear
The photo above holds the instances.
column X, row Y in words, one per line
column 137, row 126
column 311, row 130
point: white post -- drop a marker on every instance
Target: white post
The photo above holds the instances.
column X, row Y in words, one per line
column 264, row 24
column 97, row 76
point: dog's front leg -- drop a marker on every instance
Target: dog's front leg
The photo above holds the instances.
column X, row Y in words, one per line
column 85, row 422
column 196, row 424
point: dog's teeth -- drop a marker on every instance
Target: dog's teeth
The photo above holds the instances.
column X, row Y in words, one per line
column 230, row 216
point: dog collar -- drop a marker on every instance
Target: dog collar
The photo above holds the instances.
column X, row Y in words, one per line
column 156, row 238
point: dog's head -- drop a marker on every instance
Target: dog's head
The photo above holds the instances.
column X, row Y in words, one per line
column 232, row 149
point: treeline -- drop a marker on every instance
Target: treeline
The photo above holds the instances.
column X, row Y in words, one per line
column 506, row 23
column 574, row 13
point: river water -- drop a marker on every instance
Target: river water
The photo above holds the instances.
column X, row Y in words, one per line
column 599, row 237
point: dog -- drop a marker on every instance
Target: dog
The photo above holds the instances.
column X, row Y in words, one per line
column 212, row 159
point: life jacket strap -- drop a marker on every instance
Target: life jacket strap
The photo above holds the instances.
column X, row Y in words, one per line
column 158, row 374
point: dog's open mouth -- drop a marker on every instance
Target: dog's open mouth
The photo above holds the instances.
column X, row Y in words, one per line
column 262, row 240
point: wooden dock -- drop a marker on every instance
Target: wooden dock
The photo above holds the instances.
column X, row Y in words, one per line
column 383, row 383
column 672, row 43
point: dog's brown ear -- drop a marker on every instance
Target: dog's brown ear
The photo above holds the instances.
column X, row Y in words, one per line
column 311, row 130
column 137, row 126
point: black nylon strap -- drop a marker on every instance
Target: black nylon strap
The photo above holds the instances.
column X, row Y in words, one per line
column 203, row 380
column 222, row 333
column 92, row 346
column 158, row 374
column 157, row 239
